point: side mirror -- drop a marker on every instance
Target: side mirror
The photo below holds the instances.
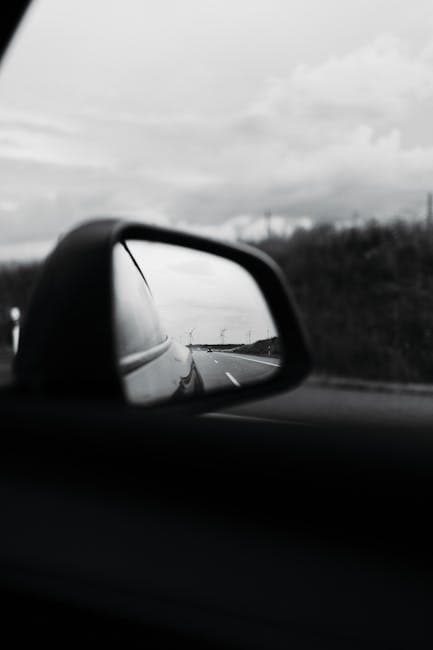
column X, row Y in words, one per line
column 149, row 316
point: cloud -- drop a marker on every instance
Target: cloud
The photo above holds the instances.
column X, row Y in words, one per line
column 328, row 140
column 34, row 139
column 35, row 122
column 7, row 205
column 350, row 133
column 380, row 80
column 25, row 251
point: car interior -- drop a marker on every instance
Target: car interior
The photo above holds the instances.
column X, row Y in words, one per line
column 198, row 515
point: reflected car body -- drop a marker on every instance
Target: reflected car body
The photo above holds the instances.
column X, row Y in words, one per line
column 167, row 371
column 153, row 366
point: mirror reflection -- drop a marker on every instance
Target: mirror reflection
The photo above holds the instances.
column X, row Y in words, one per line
column 188, row 322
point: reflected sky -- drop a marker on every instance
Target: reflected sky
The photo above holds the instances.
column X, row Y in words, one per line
column 205, row 293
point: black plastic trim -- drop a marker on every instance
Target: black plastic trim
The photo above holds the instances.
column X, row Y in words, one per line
column 67, row 346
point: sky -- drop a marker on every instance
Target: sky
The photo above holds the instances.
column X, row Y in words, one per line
column 203, row 115
column 198, row 291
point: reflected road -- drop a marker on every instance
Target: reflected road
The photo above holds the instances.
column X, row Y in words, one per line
column 225, row 369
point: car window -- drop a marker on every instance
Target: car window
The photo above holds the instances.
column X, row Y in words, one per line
column 302, row 128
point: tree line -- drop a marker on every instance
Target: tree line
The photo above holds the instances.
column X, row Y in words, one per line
column 365, row 295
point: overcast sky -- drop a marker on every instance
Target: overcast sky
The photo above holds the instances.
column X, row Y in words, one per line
column 203, row 114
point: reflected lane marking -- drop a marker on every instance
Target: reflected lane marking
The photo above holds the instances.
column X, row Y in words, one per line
column 233, row 380
column 266, row 363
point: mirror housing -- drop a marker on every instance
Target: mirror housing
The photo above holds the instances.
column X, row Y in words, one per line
column 68, row 339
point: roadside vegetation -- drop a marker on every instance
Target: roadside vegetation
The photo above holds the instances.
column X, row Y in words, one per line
column 365, row 295
column 265, row 347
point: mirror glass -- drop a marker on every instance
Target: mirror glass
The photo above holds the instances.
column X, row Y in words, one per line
column 188, row 322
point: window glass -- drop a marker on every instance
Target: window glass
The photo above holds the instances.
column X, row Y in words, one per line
column 300, row 127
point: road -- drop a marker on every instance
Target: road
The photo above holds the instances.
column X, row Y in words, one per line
column 309, row 403
column 225, row 369
column 322, row 404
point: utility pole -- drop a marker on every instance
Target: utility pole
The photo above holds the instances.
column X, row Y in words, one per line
column 268, row 216
column 429, row 211
column 238, row 231
column 355, row 217
column 249, row 336
column 222, row 333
